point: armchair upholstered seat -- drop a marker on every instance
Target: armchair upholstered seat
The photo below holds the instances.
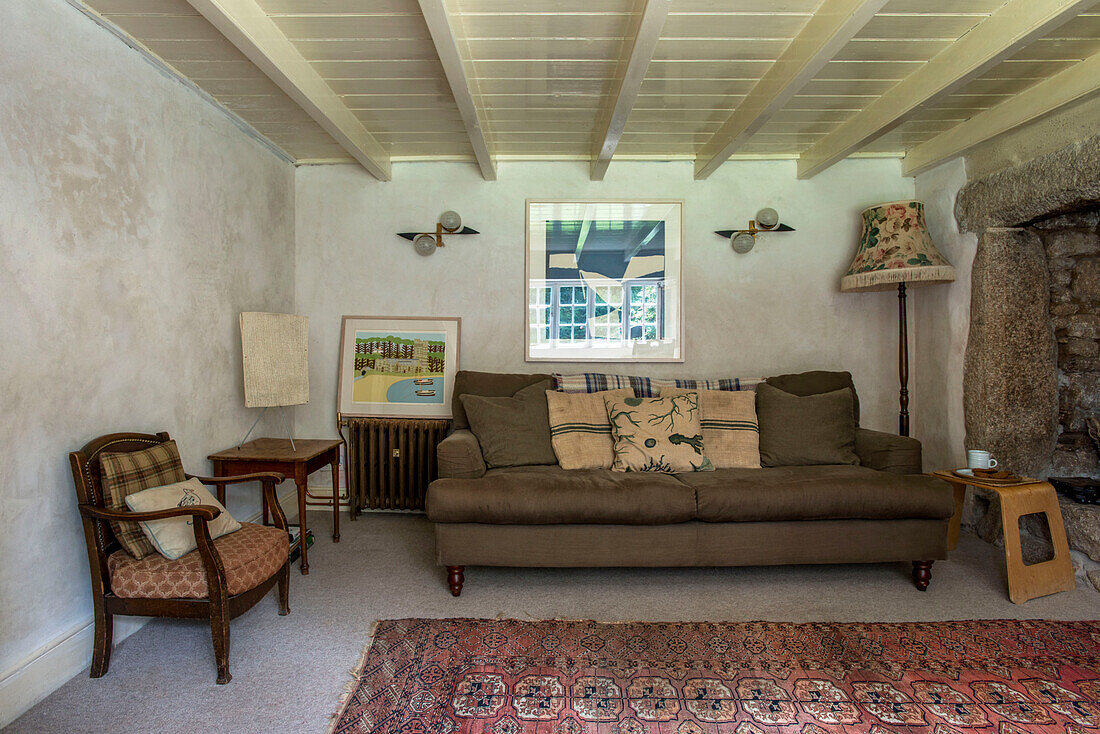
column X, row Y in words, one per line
column 221, row 579
column 249, row 556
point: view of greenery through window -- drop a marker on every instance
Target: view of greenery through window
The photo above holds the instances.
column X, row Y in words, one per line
column 570, row 310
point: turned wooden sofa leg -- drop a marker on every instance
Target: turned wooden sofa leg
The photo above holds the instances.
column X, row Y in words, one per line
column 455, row 578
column 922, row 574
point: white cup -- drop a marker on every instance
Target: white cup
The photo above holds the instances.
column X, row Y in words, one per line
column 978, row 459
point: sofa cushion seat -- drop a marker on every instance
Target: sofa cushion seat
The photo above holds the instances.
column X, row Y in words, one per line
column 550, row 495
column 817, row 493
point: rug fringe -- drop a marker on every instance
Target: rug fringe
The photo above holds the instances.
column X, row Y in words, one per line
column 356, row 673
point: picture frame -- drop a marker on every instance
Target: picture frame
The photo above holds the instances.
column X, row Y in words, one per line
column 604, row 280
column 397, row 366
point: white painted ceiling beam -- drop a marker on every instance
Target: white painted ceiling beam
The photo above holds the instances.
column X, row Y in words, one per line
column 830, row 28
column 1006, row 31
column 245, row 24
column 622, row 98
column 446, row 46
column 1077, row 82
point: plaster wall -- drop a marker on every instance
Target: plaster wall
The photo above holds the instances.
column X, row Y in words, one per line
column 136, row 221
column 940, row 321
column 777, row 309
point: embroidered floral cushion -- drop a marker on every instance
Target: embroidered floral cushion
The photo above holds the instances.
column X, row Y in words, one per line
column 175, row 536
column 731, row 432
column 657, row 434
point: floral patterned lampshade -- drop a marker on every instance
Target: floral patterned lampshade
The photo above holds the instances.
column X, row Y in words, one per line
column 894, row 247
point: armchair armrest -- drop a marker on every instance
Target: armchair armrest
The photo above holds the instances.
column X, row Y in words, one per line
column 202, row 512
column 268, row 478
column 237, row 479
column 459, row 456
column 888, row 452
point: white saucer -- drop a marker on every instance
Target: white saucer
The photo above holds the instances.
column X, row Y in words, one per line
column 965, row 472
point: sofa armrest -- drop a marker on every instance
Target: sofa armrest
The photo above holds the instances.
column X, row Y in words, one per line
column 888, row 452
column 459, row 456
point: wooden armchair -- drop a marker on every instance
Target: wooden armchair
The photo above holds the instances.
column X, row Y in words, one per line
column 217, row 581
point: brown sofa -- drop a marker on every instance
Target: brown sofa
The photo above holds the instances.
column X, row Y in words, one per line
column 545, row 516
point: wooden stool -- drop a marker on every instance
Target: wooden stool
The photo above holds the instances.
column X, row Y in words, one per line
column 1024, row 581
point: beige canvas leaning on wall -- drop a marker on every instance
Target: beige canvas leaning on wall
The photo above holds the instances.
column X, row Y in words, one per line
column 275, row 349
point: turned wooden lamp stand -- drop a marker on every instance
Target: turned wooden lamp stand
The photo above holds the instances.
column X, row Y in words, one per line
column 894, row 250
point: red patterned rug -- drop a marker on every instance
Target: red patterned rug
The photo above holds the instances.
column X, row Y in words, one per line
column 436, row 676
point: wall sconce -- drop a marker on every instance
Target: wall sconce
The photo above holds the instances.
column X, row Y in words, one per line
column 426, row 243
column 742, row 240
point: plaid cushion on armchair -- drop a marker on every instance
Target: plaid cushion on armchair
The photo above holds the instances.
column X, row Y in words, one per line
column 123, row 474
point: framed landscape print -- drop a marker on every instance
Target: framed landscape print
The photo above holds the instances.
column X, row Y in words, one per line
column 604, row 281
column 397, row 367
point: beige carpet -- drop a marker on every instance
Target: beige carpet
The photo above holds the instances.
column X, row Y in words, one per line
column 289, row 671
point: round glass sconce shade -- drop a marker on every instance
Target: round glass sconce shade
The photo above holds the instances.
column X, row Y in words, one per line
column 424, row 244
column 450, row 221
column 767, row 218
column 742, row 242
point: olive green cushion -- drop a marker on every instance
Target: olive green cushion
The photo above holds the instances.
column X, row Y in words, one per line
column 489, row 384
column 512, row 431
column 815, row 383
column 806, row 430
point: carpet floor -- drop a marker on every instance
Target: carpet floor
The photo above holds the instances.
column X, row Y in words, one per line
column 288, row 672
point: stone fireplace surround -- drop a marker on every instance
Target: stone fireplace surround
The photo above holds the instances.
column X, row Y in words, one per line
column 1032, row 368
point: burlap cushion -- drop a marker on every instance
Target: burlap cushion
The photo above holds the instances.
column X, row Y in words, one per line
column 128, row 472
column 579, row 430
column 731, row 433
column 250, row 556
column 657, row 434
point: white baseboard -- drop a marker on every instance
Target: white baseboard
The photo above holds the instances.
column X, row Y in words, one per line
column 52, row 665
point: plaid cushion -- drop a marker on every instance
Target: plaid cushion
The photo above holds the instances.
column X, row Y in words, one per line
column 599, row 382
column 125, row 473
column 728, row 384
column 645, row 387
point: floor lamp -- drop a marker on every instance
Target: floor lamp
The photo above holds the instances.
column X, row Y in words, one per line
column 895, row 250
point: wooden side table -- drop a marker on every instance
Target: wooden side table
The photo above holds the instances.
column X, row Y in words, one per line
column 1033, row 496
column 275, row 454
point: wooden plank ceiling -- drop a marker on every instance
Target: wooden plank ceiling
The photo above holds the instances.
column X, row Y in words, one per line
column 549, row 79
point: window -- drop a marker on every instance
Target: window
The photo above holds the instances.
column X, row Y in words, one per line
column 645, row 311
column 538, row 314
column 607, row 313
column 565, row 311
column 572, row 312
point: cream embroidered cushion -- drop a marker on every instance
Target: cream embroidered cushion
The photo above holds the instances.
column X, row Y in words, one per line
column 657, row 434
column 731, row 432
column 175, row 536
column 579, row 430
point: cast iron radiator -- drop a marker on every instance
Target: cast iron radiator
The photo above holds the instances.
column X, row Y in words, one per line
column 391, row 461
